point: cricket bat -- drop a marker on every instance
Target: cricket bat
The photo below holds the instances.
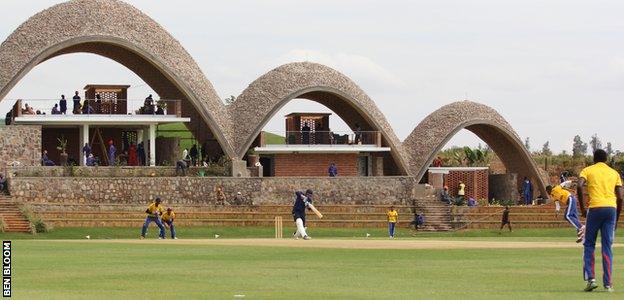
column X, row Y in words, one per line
column 316, row 212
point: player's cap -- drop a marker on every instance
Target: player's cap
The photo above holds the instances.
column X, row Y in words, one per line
column 169, row 209
column 158, row 199
column 309, row 192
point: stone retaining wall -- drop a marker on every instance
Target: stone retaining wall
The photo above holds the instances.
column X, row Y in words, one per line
column 201, row 190
column 20, row 143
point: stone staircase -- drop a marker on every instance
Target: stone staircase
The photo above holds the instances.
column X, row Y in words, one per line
column 13, row 217
column 437, row 218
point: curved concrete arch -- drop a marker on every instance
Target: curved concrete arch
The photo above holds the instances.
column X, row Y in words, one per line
column 257, row 104
column 428, row 138
column 137, row 42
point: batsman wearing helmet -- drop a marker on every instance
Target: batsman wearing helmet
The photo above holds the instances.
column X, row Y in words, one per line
column 302, row 202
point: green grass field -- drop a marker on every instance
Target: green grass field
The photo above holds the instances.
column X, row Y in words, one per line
column 99, row 268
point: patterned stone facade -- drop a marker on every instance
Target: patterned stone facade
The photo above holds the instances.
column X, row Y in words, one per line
column 21, row 144
column 198, row 190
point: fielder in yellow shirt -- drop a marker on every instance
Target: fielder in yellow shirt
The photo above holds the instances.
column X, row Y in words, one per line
column 167, row 219
column 393, row 218
column 604, row 186
column 562, row 196
column 154, row 211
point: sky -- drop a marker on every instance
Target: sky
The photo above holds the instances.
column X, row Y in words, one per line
column 553, row 69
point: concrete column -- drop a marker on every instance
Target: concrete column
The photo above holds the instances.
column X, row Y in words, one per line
column 84, row 138
column 152, row 144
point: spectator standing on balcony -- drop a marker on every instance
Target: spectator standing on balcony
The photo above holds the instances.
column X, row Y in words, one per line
column 111, row 153
column 86, row 150
column 76, row 104
column 333, row 170
column 141, row 154
column 55, row 110
column 149, row 105
column 527, row 191
column 305, row 133
column 63, row 105
column 98, row 103
column 132, row 155
column 194, row 153
column 437, row 162
column 358, row 134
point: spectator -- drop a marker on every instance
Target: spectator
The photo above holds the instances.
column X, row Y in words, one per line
column 185, row 154
column 141, row 154
column 305, row 133
column 527, row 191
column 28, row 110
column 91, row 160
column 87, row 109
column 194, row 153
column 111, row 153
column 239, row 199
column 98, row 104
column 333, row 170
column 86, row 150
column 167, row 219
column 132, row 155
column 461, row 193
column 419, row 220
column 45, row 161
column 76, row 104
column 393, row 217
column 444, row 195
column 437, row 162
column 220, row 196
column 3, row 183
column 358, row 134
column 472, row 202
column 505, row 220
column 204, row 154
column 55, row 110
column 63, row 105
column 149, row 105
column 181, row 167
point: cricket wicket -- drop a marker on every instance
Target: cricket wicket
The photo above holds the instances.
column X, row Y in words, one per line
column 278, row 227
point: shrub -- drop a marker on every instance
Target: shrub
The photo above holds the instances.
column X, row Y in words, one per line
column 3, row 226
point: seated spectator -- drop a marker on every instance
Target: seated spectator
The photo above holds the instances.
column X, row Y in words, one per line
column 87, row 109
column 238, row 199
column 55, row 110
column 91, row 162
column 28, row 110
column 472, row 202
column 3, row 183
column 419, row 221
column 444, row 196
column 181, row 167
column 45, row 161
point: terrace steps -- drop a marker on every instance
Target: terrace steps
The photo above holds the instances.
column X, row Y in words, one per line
column 14, row 220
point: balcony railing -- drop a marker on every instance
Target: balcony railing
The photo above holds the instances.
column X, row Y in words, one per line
column 323, row 138
column 24, row 108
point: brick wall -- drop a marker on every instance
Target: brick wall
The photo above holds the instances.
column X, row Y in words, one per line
column 288, row 165
column 476, row 183
column 20, row 143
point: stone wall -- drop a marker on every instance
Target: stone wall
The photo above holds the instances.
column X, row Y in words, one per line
column 20, row 143
column 503, row 186
column 201, row 190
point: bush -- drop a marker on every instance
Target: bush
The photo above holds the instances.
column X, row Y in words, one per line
column 40, row 226
column 3, row 226
column 503, row 202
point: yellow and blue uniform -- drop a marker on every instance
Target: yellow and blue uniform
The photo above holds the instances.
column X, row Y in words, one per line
column 601, row 215
column 393, row 217
column 154, row 211
column 168, row 218
column 560, row 195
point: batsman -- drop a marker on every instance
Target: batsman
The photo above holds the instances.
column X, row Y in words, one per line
column 303, row 202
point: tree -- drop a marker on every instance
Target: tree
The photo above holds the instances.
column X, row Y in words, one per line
column 229, row 100
column 527, row 144
column 609, row 149
column 595, row 143
column 579, row 148
column 546, row 149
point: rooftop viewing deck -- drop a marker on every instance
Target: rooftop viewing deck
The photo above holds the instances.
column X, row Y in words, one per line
column 321, row 142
